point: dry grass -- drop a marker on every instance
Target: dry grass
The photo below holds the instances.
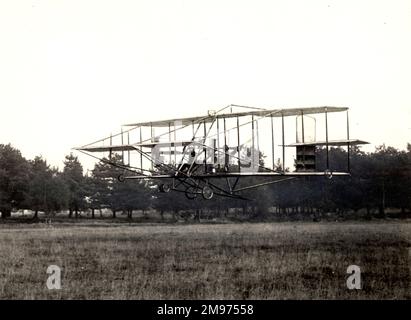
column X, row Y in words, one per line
column 221, row 261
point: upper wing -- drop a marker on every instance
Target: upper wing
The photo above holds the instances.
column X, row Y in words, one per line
column 258, row 113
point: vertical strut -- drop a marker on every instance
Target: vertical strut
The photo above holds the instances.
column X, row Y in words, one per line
column 218, row 144
column 225, row 131
column 282, row 129
column 258, row 143
column 152, row 140
column 226, row 156
column 272, row 140
column 302, row 125
column 302, row 136
column 128, row 152
column 205, row 148
column 252, row 142
column 169, row 138
column 175, row 148
column 122, row 142
column 326, row 138
column 141, row 149
column 296, row 129
column 238, row 144
column 111, row 143
column 348, row 144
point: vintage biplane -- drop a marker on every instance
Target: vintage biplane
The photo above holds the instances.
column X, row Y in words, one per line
column 208, row 155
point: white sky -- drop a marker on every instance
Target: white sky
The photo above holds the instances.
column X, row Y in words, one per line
column 74, row 71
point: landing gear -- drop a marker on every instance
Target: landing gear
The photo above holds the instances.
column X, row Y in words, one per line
column 165, row 188
column 193, row 189
column 192, row 192
column 207, row 192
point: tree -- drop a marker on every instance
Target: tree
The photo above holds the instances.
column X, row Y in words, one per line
column 39, row 185
column 14, row 176
column 74, row 179
column 392, row 178
column 47, row 191
column 58, row 195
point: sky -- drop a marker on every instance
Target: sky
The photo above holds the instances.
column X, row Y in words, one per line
column 75, row 71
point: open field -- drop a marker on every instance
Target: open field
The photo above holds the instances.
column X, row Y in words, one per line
column 206, row 261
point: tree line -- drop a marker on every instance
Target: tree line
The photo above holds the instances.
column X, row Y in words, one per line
column 379, row 180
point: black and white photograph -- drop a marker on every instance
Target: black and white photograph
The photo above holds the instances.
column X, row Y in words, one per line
column 181, row 151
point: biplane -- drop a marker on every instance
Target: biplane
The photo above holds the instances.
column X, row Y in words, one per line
column 209, row 155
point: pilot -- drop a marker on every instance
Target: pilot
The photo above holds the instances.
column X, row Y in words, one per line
column 190, row 162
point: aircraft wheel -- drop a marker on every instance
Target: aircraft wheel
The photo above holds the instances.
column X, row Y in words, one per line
column 164, row 188
column 191, row 193
column 207, row 192
column 121, row 178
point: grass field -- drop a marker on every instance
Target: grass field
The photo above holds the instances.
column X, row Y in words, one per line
column 298, row 260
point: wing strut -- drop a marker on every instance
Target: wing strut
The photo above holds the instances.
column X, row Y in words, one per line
column 348, row 144
column 282, row 129
column 272, row 140
column 238, row 144
column 326, row 139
